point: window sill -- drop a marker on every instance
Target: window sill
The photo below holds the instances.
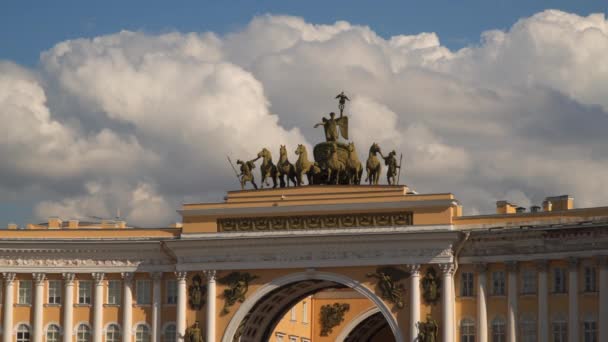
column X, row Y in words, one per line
column 111, row 305
column 52, row 305
column 22, row 305
column 79, row 305
column 559, row 293
column 142, row 305
column 169, row 304
column 589, row 293
column 527, row 295
column 467, row 297
column 501, row 296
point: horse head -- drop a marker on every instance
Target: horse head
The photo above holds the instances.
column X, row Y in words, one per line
column 374, row 148
column 283, row 150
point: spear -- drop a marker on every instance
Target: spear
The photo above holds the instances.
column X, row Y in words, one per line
column 399, row 174
column 233, row 168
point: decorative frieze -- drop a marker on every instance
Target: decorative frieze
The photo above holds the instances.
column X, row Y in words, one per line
column 314, row 222
column 35, row 262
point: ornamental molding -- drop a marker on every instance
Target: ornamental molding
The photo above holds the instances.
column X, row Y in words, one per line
column 34, row 262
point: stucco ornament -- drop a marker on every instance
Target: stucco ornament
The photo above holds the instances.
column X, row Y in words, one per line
column 196, row 293
column 431, row 286
column 388, row 283
column 331, row 316
column 238, row 285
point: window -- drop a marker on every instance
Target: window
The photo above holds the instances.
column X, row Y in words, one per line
column 467, row 330
column 528, row 282
column 279, row 337
column 293, row 314
column 170, row 333
column 23, row 332
column 83, row 334
column 84, row 292
column 559, row 280
column 589, row 331
column 171, row 292
column 52, row 333
column 498, row 330
column 559, row 330
column 142, row 290
column 54, row 291
column 25, row 292
column 113, row 333
column 466, row 284
column 304, row 339
column 114, row 292
column 528, row 328
column 590, row 279
column 293, row 338
column 498, row 283
column 305, row 312
column 142, row 333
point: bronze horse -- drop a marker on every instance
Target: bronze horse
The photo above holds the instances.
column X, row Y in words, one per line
column 373, row 165
column 267, row 169
column 285, row 169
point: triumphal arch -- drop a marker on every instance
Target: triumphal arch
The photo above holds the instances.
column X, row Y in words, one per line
column 328, row 248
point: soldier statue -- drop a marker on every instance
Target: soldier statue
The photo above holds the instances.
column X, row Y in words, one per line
column 331, row 127
column 427, row 331
column 343, row 98
column 246, row 174
column 391, row 162
column 194, row 334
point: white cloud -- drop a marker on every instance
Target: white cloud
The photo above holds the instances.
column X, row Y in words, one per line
column 520, row 115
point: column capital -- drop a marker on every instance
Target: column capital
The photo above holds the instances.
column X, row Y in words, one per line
column 481, row 267
column 210, row 274
column 68, row 278
column 156, row 275
column 98, row 277
column 542, row 265
column 511, row 265
column 414, row 269
column 9, row 277
column 573, row 263
column 447, row 268
column 127, row 277
column 181, row 275
column 39, row 278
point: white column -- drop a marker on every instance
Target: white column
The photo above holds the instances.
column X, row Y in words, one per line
column 9, row 292
column 156, row 278
column 127, row 306
column 447, row 305
column 603, row 316
column 414, row 300
column 181, row 304
column 98, row 307
column 573, row 323
column 482, row 310
column 543, row 302
column 38, row 305
column 68, row 306
column 512, row 301
column 210, row 274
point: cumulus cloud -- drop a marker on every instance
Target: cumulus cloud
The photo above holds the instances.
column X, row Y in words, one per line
column 145, row 121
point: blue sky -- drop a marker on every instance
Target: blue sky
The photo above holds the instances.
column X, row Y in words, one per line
column 29, row 27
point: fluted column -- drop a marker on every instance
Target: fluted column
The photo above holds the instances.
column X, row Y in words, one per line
column 447, row 305
column 127, row 306
column 482, row 310
column 603, row 304
column 512, row 301
column 181, row 304
column 543, row 302
column 156, row 277
column 414, row 270
column 210, row 274
column 9, row 293
column 68, row 306
column 38, row 305
column 573, row 299
column 98, row 307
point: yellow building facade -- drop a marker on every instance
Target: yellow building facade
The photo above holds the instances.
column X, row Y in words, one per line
column 313, row 263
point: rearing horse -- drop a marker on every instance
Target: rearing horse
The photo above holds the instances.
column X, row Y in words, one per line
column 285, row 168
column 267, row 169
column 373, row 165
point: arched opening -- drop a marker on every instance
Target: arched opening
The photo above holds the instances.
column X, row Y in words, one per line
column 257, row 317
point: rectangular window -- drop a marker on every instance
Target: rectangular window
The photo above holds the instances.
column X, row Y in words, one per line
column 54, row 291
column 279, row 337
column 84, row 292
column 590, row 331
column 498, row 283
column 293, row 314
column 305, row 312
column 114, row 292
column 560, row 331
column 466, row 284
column 559, row 280
column 142, row 290
column 590, row 279
column 171, row 292
column 25, row 292
column 293, row 339
column 528, row 282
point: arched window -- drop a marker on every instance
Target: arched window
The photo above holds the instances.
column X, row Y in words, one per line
column 112, row 333
column 52, row 333
column 467, row 330
column 142, row 333
column 83, row 334
column 170, row 333
column 498, row 330
column 559, row 329
column 528, row 328
column 23, row 333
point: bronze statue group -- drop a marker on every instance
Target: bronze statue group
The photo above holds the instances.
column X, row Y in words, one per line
column 334, row 162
